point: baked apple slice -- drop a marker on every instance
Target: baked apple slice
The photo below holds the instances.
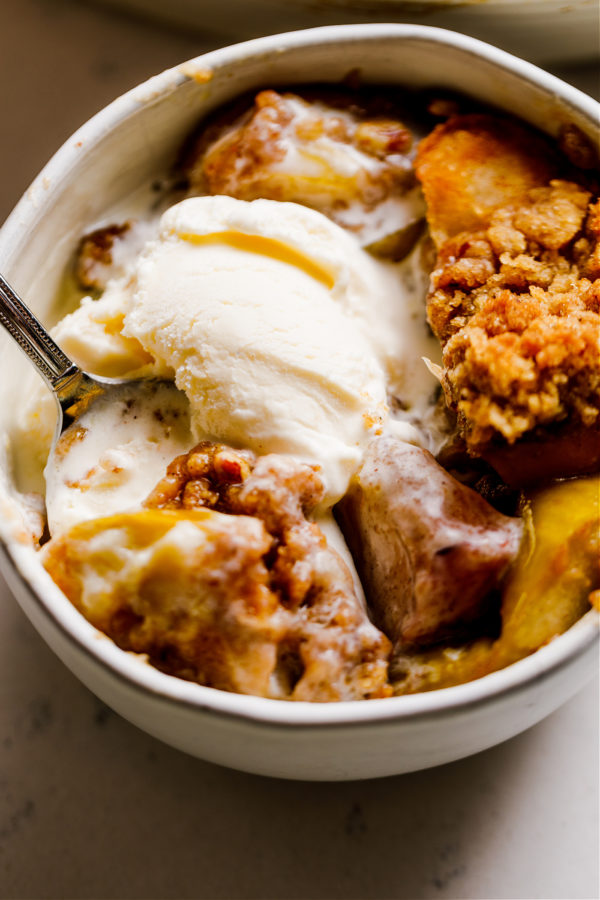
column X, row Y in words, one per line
column 431, row 552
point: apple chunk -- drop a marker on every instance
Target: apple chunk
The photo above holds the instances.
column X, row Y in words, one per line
column 430, row 551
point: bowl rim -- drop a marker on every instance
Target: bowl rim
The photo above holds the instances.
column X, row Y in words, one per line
column 129, row 669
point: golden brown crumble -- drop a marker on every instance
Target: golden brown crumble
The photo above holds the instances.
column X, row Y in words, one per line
column 515, row 292
column 286, row 599
column 201, row 610
column 517, row 307
column 244, row 159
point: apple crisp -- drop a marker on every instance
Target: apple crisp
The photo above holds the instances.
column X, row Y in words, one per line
column 459, row 517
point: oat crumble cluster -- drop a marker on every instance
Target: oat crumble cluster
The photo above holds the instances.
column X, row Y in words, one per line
column 285, row 148
column 256, row 601
column 330, row 647
column 517, row 308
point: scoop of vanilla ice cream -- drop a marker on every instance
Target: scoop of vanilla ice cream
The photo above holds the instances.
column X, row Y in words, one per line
column 285, row 335
column 258, row 308
column 92, row 337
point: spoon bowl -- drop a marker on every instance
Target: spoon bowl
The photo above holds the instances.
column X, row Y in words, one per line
column 74, row 390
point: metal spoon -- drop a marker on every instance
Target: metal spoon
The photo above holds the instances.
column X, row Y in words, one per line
column 74, row 389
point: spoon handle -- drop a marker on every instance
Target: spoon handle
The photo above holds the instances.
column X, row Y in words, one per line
column 53, row 365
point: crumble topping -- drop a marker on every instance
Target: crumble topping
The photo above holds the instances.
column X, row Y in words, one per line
column 517, row 307
column 330, row 639
column 223, row 580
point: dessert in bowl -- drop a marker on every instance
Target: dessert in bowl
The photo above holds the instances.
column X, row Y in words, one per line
column 282, row 288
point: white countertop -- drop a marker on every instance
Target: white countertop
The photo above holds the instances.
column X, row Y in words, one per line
column 90, row 807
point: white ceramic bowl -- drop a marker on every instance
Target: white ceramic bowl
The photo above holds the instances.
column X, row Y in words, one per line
column 133, row 140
